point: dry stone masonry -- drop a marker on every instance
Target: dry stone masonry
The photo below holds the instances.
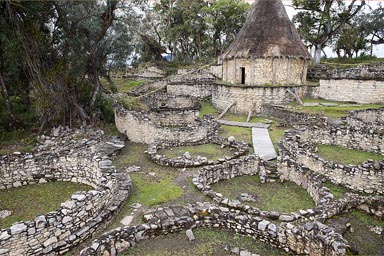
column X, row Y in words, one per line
column 64, row 158
column 239, row 148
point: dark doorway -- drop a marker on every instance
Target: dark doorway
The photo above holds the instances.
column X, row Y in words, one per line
column 242, row 75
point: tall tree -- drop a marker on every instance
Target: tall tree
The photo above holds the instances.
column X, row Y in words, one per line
column 66, row 46
column 319, row 21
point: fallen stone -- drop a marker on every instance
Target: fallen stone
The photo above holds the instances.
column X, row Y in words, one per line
column 190, row 235
column 127, row 220
column 18, row 228
column 5, row 213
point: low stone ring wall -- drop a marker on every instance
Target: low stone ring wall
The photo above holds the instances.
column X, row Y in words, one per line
column 253, row 165
column 373, row 118
column 239, row 148
column 143, row 127
column 64, row 159
column 368, row 177
column 309, row 238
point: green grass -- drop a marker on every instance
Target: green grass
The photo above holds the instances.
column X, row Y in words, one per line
column 208, row 242
column 122, row 85
column 240, row 133
column 341, row 63
column 16, row 140
column 151, row 191
column 345, row 155
column 207, row 109
column 337, row 190
column 366, row 241
column 29, row 201
column 281, row 197
column 146, row 189
column 332, row 111
column 211, row 151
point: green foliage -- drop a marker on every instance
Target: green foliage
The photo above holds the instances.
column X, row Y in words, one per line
column 319, row 21
column 29, row 201
column 345, row 155
column 277, row 196
column 16, row 140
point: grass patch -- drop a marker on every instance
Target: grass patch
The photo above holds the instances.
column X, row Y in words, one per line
column 208, row 242
column 281, row 197
column 345, row 155
column 211, row 151
column 29, row 201
column 240, row 133
column 338, row 191
column 364, row 240
column 338, row 111
column 208, row 109
column 151, row 191
column 16, row 140
column 146, row 189
column 121, row 85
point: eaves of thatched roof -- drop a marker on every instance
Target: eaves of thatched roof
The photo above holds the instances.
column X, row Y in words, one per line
column 267, row 32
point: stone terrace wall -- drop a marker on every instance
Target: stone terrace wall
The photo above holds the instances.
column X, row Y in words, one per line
column 196, row 83
column 58, row 231
column 367, row 177
column 140, row 128
column 312, row 238
column 292, row 117
column 252, row 97
column 347, row 90
column 362, row 84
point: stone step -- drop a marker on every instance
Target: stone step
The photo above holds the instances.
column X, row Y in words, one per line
column 262, row 144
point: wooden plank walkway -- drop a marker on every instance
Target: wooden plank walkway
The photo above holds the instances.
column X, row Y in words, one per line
column 262, row 144
column 242, row 124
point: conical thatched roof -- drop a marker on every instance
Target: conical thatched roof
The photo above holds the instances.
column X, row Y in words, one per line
column 267, row 32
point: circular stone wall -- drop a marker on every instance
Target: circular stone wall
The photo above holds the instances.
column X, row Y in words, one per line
column 248, row 98
column 296, row 148
column 143, row 127
column 238, row 149
column 64, row 159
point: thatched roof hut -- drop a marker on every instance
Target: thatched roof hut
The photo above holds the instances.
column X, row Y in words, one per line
column 268, row 43
column 268, row 32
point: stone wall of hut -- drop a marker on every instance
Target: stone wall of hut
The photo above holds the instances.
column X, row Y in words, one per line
column 261, row 71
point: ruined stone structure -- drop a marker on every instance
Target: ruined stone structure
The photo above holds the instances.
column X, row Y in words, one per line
column 238, row 148
column 363, row 84
column 267, row 50
column 64, row 159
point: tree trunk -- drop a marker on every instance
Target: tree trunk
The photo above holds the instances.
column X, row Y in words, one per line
column 318, row 53
column 4, row 91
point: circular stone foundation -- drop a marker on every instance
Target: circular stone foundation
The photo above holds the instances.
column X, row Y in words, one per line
column 235, row 149
column 64, row 158
column 368, row 177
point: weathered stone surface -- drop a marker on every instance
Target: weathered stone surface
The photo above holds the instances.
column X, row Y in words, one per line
column 18, row 228
column 190, row 235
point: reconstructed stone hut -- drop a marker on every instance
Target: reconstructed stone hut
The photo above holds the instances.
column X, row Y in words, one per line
column 267, row 50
